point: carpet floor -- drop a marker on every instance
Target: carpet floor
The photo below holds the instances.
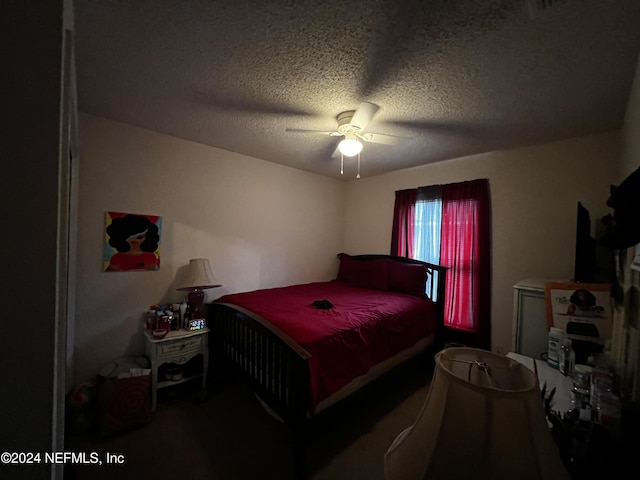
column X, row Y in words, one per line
column 228, row 435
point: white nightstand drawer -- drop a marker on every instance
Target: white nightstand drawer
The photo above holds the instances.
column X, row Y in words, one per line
column 180, row 359
column 170, row 357
column 180, row 345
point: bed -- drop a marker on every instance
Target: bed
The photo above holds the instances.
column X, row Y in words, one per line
column 306, row 347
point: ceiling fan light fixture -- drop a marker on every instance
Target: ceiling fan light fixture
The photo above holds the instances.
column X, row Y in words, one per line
column 350, row 146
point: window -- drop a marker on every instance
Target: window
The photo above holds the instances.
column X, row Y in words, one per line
column 450, row 225
column 427, row 226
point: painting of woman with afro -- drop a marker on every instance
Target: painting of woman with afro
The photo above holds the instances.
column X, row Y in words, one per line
column 132, row 242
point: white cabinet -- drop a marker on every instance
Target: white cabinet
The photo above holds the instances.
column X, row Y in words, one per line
column 530, row 332
column 178, row 347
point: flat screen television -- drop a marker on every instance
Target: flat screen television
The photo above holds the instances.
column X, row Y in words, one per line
column 586, row 264
column 593, row 262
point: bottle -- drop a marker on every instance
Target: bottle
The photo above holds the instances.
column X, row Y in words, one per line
column 171, row 320
column 563, row 355
column 159, row 323
column 187, row 317
column 556, row 337
column 572, row 360
column 175, row 322
column 165, row 322
column 565, row 363
column 183, row 309
column 151, row 321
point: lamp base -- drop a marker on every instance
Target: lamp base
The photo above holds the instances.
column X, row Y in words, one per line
column 195, row 298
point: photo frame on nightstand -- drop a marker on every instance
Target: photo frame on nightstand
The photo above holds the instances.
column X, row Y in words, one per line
column 582, row 310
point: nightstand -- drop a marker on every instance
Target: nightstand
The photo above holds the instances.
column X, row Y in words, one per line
column 178, row 347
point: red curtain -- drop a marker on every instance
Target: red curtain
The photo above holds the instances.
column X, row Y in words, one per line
column 465, row 248
column 403, row 223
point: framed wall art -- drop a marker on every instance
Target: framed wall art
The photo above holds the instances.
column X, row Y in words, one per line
column 582, row 310
column 131, row 242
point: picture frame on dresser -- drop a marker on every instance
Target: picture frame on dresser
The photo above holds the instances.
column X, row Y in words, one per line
column 582, row 310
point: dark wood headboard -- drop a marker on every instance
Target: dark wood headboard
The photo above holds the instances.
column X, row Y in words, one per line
column 437, row 288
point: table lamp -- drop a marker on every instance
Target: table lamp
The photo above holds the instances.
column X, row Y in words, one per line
column 483, row 419
column 198, row 278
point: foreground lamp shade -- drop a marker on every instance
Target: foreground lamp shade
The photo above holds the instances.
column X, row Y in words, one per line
column 483, row 419
column 198, row 278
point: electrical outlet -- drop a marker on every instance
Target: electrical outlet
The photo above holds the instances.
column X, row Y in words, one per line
column 500, row 350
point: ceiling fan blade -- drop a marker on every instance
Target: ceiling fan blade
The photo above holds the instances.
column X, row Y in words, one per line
column 321, row 132
column 364, row 114
column 381, row 139
column 242, row 105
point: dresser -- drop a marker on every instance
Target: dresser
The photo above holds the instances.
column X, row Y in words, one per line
column 530, row 332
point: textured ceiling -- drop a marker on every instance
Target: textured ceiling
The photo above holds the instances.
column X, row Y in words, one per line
column 452, row 78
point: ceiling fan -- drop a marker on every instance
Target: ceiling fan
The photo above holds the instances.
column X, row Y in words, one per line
column 351, row 126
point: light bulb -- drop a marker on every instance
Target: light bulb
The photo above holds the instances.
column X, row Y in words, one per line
column 350, row 147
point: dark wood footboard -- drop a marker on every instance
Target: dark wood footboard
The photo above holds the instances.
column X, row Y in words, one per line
column 275, row 365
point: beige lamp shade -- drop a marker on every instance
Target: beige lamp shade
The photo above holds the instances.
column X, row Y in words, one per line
column 483, row 419
column 199, row 276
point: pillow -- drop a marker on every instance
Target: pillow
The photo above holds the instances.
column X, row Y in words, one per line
column 346, row 267
column 409, row 278
column 371, row 274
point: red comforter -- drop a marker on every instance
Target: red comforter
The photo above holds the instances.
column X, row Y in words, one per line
column 364, row 327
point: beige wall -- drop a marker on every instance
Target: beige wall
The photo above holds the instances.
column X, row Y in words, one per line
column 534, row 193
column 260, row 224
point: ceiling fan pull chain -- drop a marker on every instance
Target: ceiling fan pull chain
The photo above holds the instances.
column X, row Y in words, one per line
column 341, row 164
column 358, row 176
